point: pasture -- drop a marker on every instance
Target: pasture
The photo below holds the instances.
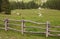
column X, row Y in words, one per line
column 53, row 16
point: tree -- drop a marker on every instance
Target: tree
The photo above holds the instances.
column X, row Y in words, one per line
column 32, row 5
column 0, row 5
column 53, row 4
column 5, row 6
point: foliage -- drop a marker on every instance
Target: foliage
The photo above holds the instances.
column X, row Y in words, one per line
column 0, row 5
column 53, row 4
column 32, row 4
column 5, row 6
column 22, row 5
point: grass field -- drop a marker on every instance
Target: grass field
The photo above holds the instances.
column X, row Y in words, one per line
column 53, row 16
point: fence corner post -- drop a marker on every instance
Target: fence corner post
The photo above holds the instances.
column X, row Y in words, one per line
column 22, row 27
column 6, row 24
column 47, row 29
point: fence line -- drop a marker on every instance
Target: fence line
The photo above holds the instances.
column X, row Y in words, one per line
column 6, row 21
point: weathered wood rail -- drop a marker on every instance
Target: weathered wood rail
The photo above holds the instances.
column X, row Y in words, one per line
column 47, row 32
column 54, row 31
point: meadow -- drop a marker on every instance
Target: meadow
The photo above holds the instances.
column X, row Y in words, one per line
column 53, row 16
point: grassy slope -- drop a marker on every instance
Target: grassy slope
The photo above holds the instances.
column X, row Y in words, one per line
column 47, row 15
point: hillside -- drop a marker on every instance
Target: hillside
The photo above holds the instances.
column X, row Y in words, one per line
column 53, row 16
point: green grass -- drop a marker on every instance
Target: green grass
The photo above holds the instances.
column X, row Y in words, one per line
column 53, row 16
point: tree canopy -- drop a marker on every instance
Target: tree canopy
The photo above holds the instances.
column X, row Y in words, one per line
column 53, row 4
column 4, row 6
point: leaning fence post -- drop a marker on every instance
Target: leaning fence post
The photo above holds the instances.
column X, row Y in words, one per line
column 47, row 29
column 6, row 24
column 22, row 27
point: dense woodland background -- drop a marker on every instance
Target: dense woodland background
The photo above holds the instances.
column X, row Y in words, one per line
column 8, row 5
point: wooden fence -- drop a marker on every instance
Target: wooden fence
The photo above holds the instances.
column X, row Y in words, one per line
column 47, row 32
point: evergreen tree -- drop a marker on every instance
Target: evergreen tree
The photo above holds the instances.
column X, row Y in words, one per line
column 5, row 6
column 53, row 4
column 0, row 5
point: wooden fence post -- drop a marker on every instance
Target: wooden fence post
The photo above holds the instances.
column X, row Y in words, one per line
column 22, row 27
column 47, row 29
column 6, row 24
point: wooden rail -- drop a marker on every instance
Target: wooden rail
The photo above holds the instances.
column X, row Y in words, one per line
column 49, row 34
column 53, row 31
column 55, row 26
column 14, row 29
column 33, row 22
column 23, row 26
column 54, row 35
